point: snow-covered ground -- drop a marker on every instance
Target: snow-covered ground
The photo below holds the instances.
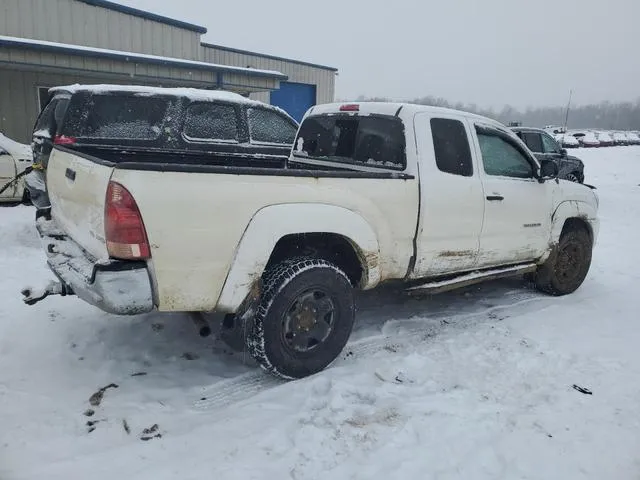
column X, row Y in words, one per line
column 475, row 384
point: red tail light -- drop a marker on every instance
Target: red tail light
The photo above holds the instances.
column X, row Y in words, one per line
column 63, row 140
column 350, row 107
column 125, row 233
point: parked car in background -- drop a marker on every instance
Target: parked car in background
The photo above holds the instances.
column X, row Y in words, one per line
column 605, row 139
column 587, row 139
column 545, row 147
column 430, row 199
column 145, row 124
column 634, row 138
column 14, row 159
column 566, row 140
column 620, row 138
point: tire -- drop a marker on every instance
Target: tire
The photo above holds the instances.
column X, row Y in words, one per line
column 290, row 336
column 572, row 177
column 568, row 265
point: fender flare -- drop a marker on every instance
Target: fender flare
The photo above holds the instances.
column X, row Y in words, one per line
column 566, row 210
column 271, row 223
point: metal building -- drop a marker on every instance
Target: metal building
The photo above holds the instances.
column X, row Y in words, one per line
column 44, row 43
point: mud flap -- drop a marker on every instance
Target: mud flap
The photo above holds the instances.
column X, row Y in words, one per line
column 236, row 327
column 33, row 296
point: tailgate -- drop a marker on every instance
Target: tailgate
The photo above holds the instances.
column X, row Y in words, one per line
column 77, row 188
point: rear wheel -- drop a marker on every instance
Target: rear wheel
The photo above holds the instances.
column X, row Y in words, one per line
column 568, row 265
column 304, row 319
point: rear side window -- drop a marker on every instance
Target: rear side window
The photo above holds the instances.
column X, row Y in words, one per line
column 268, row 126
column 451, row 146
column 51, row 117
column 376, row 141
column 115, row 117
column 210, row 122
column 533, row 141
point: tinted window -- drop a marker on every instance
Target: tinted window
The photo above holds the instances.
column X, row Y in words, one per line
column 451, row 146
column 502, row 158
column 210, row 121
column 270, row 127
column 373, row 140
column 550, row 145
column 533, row 141
column 113, row 117
column 51, row 117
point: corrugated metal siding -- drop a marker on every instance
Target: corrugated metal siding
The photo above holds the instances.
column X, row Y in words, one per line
column 323, row 79
column 68, row 21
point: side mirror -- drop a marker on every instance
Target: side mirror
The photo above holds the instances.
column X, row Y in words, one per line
column 548, row 170
column 563, row 152
column 2, row 152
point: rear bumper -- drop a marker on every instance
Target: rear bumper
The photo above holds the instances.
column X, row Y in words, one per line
column 118, row 287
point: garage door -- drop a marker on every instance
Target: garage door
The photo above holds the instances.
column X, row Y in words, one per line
column 294, row 98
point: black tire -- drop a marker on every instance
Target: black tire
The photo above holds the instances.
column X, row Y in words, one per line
column 279, row 336
column 568, row 265
column 573, row 177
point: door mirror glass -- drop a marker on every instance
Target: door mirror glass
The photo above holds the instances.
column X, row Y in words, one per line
column 548, row 170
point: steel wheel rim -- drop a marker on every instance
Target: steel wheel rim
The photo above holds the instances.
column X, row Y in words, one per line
column 309, row 320
column 569, row 262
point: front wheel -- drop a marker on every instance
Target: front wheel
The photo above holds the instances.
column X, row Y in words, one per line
column 573, row 177
column 304, row 319
column 568, row 265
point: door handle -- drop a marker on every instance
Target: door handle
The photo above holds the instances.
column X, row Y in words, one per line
column 70, row 174
column 495, row 198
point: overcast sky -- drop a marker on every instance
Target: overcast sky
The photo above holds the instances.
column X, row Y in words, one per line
column 488, row 52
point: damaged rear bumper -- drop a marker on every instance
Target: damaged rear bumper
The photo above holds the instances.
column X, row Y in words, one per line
column 118, row 287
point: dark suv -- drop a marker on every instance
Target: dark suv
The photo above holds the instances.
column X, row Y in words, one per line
column 545, row 147
column 166, row 125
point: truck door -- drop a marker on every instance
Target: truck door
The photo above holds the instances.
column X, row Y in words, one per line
column 451, row 197
column 517, row 212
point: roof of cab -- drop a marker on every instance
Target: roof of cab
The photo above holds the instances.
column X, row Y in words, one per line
column 399, row 109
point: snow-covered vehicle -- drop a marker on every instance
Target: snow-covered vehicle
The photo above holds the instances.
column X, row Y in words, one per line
column 567, row 141
column 634, row 138
column 605, row 139
column 15, row 158
column 587, row 139
column 424, row 198
column 620, row 138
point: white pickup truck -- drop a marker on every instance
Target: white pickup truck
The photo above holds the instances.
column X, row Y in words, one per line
column 429, row 198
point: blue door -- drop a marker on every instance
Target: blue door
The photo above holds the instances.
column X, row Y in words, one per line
column 294, row 98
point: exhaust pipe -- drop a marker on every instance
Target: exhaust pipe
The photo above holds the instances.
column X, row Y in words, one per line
column 204, row 330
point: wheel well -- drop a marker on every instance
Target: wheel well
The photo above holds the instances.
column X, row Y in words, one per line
column 575, row 223
column 329, row 246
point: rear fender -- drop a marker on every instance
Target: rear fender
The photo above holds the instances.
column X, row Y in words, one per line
column 272, row 223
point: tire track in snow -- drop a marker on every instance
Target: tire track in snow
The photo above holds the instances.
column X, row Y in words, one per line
column 233, row 390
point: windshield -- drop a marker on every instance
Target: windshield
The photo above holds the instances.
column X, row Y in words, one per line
column 374, row 141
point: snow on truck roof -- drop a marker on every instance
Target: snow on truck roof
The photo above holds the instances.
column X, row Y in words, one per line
column 392, row 108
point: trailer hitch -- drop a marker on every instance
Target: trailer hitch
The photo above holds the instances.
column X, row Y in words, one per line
column 33, row 296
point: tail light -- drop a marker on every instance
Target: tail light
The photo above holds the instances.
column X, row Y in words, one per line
column 63, row 140
column 125, row 233
column 350, row 107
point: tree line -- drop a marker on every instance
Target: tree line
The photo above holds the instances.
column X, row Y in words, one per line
column 604, row 115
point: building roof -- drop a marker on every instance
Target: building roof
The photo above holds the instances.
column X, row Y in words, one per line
column 264, row 55
column 146, row 15
column 79, row 50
